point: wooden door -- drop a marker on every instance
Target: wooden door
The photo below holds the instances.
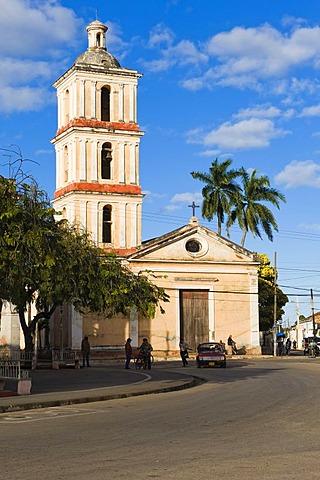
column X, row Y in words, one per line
column 194, row 316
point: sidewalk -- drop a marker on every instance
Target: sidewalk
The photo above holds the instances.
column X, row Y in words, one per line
column 73, row 386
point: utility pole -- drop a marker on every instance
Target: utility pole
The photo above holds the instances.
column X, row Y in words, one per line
column 275, row 307
column 312, row 310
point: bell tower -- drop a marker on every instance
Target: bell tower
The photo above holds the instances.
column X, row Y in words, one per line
column 97, row 147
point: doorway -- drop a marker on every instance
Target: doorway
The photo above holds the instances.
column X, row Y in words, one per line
column 194, row 316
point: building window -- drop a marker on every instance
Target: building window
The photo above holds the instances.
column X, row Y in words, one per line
column 98, row 40
column 105, row 104
column 193, row 246
column 65, row 163
column 106, row 159
column 66, row 107
column 106, row 224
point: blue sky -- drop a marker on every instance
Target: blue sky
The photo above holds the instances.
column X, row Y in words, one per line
column 236, row 79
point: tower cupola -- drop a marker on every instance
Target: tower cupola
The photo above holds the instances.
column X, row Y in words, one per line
column 96, row 53
column 96, row 35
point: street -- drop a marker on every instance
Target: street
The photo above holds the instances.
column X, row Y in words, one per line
column 256, row 419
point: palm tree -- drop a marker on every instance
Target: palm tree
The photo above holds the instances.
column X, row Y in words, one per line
column 220, row 190
column 249, row 212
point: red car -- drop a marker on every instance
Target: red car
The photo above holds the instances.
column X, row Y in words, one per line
column 211, row 354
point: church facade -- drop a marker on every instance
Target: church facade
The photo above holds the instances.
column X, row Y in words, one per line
column 212, row 282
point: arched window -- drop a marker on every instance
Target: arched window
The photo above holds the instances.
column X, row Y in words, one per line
column 105, row 104
column 66, row 107
column 106, row 224
column 106, row 159
column 98, row 40
column 65, row 163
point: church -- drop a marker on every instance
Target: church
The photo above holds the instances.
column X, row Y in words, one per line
column 212, row 282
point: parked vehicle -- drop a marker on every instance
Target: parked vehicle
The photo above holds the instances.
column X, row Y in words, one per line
column 210, row 354
column 311, row 346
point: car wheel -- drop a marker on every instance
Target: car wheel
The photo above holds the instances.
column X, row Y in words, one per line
column 198, row 365
column 223, row 365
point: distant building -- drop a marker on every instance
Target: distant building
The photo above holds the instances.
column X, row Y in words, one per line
column 304, row 328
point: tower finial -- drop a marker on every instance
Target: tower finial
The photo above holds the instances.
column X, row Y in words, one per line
column 96, row 14
column 193, row 206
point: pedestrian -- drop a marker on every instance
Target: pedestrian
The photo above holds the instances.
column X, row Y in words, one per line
column 128, row 350
column 223, row 345
column 288, row 346
column 280, row 346
column 294, row 344
column 85, row 350
column 184, row 354
column 145, row 350
column 231, row 343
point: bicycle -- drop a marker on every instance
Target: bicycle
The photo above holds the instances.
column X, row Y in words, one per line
column 141, row 361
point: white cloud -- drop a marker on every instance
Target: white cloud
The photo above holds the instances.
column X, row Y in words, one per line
column 31, row 28
column 313, row 111
column 187, row 197
column 247, row 57
column 259, row 111
column 161, row 35
column 171, row 208
column 251, row 133
column 210, row 153
column 32, row 36
column 313, row 226
column 44, row 152
column 114, row 41
column 160, row 65
column 153, row 195
column 300, row 174
column 264, row 51
column 180, row 200
column 181, row 54
column 288, row 21
column 195, row 135
column 23, row 98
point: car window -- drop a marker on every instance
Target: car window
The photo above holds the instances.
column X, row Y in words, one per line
column 210, row 348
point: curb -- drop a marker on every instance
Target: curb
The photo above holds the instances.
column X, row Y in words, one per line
column 91, row 397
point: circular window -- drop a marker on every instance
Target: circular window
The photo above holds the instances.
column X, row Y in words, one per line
column 193, row 246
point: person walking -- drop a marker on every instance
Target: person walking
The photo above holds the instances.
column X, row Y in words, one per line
column 232, row 344
column 85, row 350
column 288, row 346
column 128, row 350
column 145, row 350
column 184, row 347
column 280, row 346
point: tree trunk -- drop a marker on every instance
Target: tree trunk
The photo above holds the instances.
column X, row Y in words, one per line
column 244, row 234
column 28, row 331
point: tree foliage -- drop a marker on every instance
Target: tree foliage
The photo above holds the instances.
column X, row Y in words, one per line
column 48, row 263
column 244, row 203
column 220, row 190
column 266, row 295
column 249, row 209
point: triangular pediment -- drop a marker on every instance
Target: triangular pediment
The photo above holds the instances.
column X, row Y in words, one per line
column 192, row 243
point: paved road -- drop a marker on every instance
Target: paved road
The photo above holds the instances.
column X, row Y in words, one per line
column 254, row 420
column 69, row 386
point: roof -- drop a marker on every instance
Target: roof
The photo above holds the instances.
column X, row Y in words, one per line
column 186, row 232
column 97, row 57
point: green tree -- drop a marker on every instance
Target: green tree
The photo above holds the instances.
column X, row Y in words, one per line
column 48, row 263
column 220, row 190
column 250, row 210
column 266, row 295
